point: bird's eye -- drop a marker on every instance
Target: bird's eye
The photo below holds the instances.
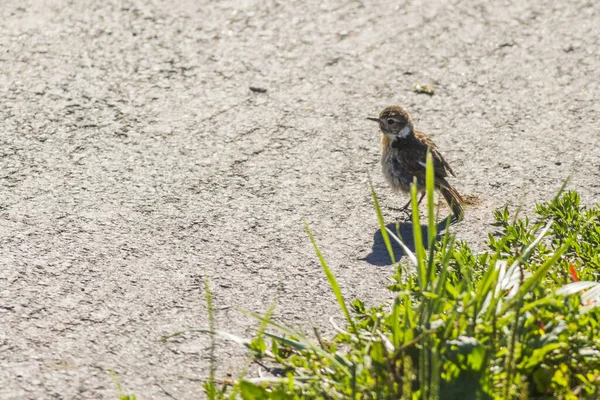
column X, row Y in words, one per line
column 391, row 121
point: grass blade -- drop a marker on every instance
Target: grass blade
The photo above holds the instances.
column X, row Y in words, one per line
column 382, row 226
column 212, row 326
column 430, row 187
column 534, row 279
column 396, row 322
column 332, row 282
column 575, row 287
column 341, row 362
column 419, row 249
column 405, row 249
column 527, row 252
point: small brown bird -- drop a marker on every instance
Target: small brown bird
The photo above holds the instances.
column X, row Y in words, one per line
column 404, row 151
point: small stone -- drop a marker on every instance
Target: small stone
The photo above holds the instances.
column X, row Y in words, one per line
column 424, row 89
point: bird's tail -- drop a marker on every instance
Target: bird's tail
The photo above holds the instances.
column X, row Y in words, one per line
column 454, row 201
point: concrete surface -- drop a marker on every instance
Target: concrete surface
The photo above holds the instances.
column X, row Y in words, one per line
column 134, row 159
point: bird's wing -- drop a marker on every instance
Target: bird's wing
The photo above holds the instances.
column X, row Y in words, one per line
column 439, row 164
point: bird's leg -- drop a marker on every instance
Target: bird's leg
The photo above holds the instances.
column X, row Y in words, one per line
column 403, row 208
column 407, row 205
column 410, row 200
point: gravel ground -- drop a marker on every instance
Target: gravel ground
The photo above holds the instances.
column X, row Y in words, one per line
column 135, row 159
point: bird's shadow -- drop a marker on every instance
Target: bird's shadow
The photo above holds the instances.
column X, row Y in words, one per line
column 379, row 253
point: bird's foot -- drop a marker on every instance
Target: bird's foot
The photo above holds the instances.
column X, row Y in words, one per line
column 405, row 210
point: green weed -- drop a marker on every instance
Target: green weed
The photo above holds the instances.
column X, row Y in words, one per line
column 520, row 320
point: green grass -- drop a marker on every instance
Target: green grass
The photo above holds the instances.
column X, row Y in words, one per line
column 520, row 320
column 121, row 393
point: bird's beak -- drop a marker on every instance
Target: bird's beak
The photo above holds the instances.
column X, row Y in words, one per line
column 373, row 119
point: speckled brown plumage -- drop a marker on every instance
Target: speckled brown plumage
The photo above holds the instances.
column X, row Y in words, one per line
column 404, row 152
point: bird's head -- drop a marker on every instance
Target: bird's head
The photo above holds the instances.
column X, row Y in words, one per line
column 395, row 122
